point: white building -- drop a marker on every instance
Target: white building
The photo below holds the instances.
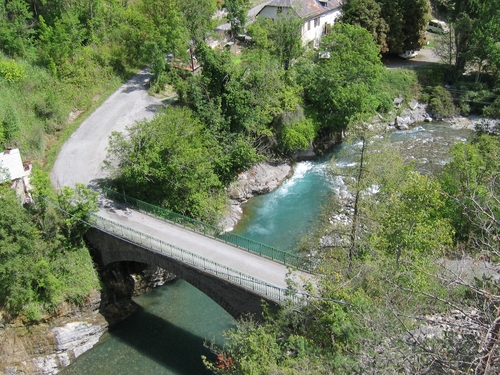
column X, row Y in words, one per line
column 318, row 16
column 14, row 172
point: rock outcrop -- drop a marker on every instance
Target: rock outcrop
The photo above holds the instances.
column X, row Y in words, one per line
column 50, row 347
column 415, row 112
column 261, row 178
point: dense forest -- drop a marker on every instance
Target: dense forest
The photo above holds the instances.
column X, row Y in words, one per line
column 383, row 289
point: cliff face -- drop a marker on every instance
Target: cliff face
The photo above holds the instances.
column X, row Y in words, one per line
column 52, row 345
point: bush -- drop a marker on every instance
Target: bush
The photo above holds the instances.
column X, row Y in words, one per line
column 493, row 110
column 441, row 102
column 298, row 136
column 11, row 71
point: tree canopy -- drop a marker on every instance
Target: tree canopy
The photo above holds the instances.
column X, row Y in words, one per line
column 169, row 162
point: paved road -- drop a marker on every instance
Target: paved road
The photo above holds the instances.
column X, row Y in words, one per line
column 81, row 160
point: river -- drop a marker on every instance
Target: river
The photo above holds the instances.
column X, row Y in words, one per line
column 167, row 335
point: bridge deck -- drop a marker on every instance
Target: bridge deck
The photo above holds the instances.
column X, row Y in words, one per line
column 264, row 269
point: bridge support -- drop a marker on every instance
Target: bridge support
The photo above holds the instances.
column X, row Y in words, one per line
column 237, row 300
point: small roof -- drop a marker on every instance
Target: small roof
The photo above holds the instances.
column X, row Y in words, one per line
column 307, row 8
column 11, row 165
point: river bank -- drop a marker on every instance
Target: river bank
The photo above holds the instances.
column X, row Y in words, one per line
column 266, row 177
column 71, row 330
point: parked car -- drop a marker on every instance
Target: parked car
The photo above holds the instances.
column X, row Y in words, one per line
column 438, row 27
column 409, row 54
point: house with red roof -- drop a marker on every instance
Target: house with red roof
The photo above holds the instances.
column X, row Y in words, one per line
column 318, row 16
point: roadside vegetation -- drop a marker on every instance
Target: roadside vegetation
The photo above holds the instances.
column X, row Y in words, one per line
column 380, row 265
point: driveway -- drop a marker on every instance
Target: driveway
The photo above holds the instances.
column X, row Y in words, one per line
column 425, row 56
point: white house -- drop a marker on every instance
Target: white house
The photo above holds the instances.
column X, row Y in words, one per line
column 318, row 16
column 14, row 172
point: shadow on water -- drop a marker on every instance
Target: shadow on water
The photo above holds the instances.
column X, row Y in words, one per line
column 147, row 338
column 165, row 343
column 161, row 337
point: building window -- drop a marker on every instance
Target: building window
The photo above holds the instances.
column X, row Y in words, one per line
column 316, row 22
column 279, row 10
column 309, row 25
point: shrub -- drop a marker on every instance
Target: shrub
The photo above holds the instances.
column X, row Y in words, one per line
column 441, row 102
column 297, row 136
column 11, row 71
column 493, row 110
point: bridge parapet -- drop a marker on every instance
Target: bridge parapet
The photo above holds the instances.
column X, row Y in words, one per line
column 273, row 253
column 270, row 292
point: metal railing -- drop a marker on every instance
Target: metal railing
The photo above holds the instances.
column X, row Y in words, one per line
column 230, row 274
column 211, row 230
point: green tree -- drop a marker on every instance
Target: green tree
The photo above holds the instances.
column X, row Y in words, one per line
column 281, row 37
column 59, row 42
column 395, row 25
column 39, row 270
column 170, row 29
column 199, row 18
column 236, row 15
column 367, row 14
column 412, row 225
column 169, row 162
column 470, row 181
column 339, row 88
column 11, row 124
column 16, row 28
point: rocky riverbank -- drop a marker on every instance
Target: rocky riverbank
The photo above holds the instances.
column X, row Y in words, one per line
column 52, row 345
column 260, row 179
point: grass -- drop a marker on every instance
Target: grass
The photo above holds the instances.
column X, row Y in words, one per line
column 63, row 136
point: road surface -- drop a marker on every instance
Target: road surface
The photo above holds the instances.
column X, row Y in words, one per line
column 81, row 158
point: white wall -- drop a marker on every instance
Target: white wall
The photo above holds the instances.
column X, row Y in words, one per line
column 314, row 34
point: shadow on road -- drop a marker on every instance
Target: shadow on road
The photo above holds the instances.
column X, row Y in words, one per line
column 137, row 82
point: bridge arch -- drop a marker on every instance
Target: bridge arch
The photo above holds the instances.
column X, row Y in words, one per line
column 236, row 299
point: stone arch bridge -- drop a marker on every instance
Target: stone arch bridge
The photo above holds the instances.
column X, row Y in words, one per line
column 236, row 279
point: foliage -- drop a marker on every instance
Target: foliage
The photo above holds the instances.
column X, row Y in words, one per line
column 470, row 181
column 396, row 26
column 367, row 14
column 440, row 102
column 10, row 124
column 281, row 37
column 474, row 36
column 411, row 224
column 248, row 99
column 11, row 70
column 310, row 339
column 169, row 162
column 493, row 110
column 40, row 266
column 339, row 88
column 236, row 15
column 298, row 135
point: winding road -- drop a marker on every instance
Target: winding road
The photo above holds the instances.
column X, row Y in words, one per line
column 81, row 158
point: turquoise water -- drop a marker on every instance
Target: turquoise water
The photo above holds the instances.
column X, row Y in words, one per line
column 167, row 335
column 282, row 217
